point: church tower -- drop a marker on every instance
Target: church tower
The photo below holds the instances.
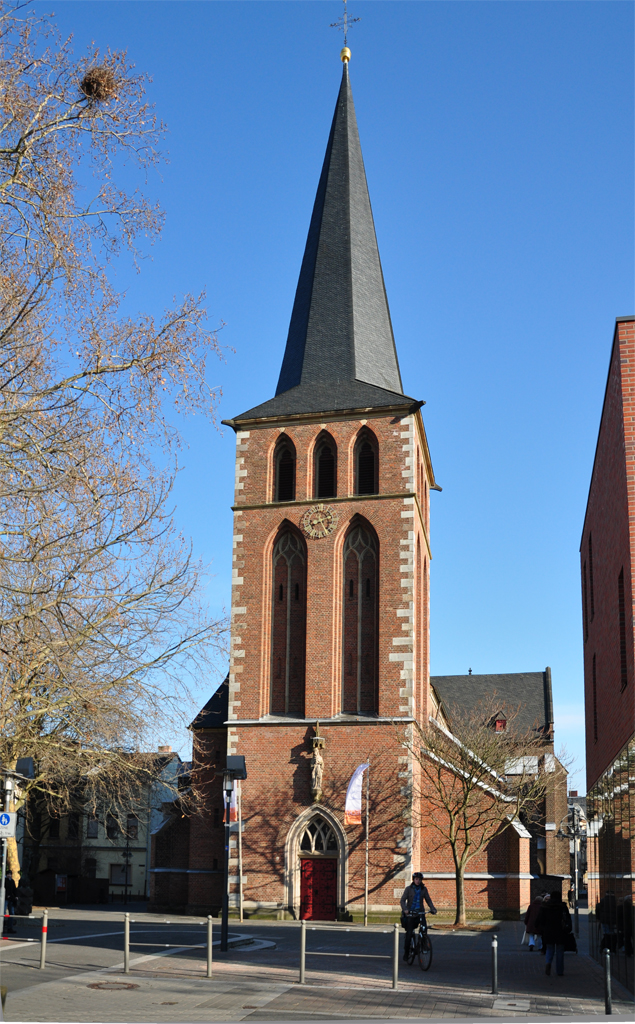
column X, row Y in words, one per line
column 331, row 563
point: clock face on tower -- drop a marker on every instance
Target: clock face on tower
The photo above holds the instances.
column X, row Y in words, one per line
column 319, row 521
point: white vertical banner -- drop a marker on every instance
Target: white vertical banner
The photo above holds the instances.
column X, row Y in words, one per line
column 353, row 805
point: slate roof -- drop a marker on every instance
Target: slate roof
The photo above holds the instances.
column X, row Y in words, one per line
column 214, row 714
column 340, row 351
column 530, row 690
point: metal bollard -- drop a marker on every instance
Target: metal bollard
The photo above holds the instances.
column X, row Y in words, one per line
column 126, row 944
column 209, row 945
column 45, row 928
column 495, row 966
column 608, row 1001
column 302, row 951
column 395, row 957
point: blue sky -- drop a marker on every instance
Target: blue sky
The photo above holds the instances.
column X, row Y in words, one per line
column 498, row 142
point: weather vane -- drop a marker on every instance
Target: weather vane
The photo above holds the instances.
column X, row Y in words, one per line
column 343, row 23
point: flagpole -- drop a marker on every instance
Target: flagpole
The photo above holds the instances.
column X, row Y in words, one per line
column 366, row 861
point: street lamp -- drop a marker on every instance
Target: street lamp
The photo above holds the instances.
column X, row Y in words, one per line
column 575, row 832
column 235, row 770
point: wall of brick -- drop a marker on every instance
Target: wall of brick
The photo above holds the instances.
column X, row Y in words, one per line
column 606, row 550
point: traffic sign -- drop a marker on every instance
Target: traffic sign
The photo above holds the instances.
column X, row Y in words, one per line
column 7, row 824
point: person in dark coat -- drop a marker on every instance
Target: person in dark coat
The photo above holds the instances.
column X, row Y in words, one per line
column 554, row 922
column 531, row 917
column 10, row 900
column 24, row 895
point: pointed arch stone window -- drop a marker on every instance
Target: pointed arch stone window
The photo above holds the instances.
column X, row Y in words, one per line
column 318, row 837
column 325, row 467
column 284, row 466
column 288, row 641
column 360, row 627
column 366, row 463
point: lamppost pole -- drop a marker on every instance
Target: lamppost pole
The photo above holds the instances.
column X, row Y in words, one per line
column 574, row 832
column 8, row 788
column 228, row 786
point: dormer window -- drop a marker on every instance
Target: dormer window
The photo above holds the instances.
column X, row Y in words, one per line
column 500, row 724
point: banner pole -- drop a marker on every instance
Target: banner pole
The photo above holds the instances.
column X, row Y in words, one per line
column 366, row 859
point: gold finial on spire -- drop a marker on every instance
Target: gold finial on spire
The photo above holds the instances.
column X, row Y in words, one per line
column 343, row 24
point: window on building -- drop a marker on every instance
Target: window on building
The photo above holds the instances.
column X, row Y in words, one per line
column 591, row 591
column 622, row 620
column 318, row 837
column 92, row 828
column 120, row 874
column 112, row 827
column 325, row 467
column 217, row 817
column 215, row 864
column 366, row 463
column 132, row 826
column 288, row 641
column 585, row 602
column 73, row 825
column 90, row 868
column 595, row 701
column 360, row 627
column 284, row 461
column 54, row 828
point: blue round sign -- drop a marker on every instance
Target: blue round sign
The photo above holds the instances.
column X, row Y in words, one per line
column 5, row 819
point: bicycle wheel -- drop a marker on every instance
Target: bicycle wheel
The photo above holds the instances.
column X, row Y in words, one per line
column 414, row 948
column 424, row 952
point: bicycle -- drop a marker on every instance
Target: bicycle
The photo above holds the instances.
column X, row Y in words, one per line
column 421, row 945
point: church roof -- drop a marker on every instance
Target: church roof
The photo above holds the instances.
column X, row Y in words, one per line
column 528, row 691
column 214, row 714
column 340, row 353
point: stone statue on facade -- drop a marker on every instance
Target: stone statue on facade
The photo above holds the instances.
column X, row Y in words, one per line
column 317, row 765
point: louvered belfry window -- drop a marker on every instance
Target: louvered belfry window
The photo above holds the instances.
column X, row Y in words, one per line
column 285, row 471
column 366, row 475
column 326, row 468
column 360, row 627
column 288, row 641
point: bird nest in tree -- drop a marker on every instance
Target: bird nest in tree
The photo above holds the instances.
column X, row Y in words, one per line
column 99, row 84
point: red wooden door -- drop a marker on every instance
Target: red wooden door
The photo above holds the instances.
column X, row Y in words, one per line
column 318, row 889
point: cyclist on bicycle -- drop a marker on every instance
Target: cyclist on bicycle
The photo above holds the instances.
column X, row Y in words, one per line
column 412, row 906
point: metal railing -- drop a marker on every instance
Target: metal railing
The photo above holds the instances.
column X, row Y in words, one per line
column 304, row 952
column 127, row 921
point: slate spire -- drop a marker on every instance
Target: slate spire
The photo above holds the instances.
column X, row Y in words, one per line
column 340, row 327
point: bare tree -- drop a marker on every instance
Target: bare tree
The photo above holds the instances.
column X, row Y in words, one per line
column 101, row 622
column 473, row 782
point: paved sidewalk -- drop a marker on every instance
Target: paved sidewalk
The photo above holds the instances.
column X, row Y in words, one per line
column 260, row 982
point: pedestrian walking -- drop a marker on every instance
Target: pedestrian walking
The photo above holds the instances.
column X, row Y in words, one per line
column 531, row 918
column 554, row 922
column 10, row 901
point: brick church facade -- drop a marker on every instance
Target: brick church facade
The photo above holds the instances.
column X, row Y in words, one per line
column 330, row 609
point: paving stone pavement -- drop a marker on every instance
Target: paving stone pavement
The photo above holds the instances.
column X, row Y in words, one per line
column 256, row 983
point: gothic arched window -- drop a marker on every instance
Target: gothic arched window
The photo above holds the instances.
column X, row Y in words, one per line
column 318, row 837
column 288, row 640
column 325, row 467
column 360, row 628
column 284, row 466
column 366, row 464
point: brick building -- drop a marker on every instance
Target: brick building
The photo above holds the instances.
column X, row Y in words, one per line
column 330, row 604
column 606, row 553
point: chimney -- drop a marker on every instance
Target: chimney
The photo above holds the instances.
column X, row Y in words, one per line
column 573, row 792
column 164, row 750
